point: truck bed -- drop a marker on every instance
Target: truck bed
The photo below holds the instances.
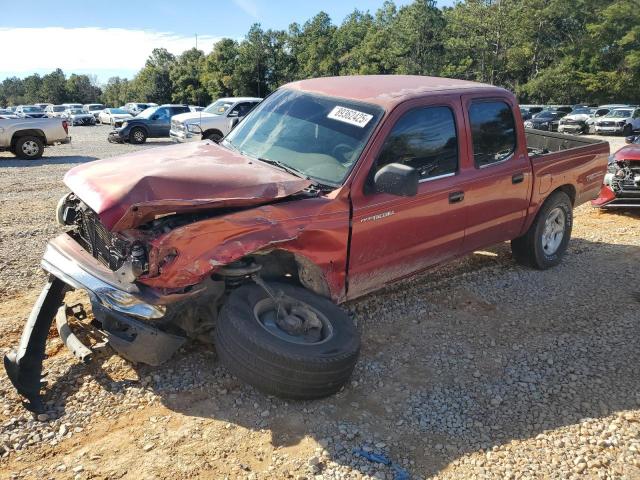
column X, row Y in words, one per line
column 540, row 142
column 561, row 159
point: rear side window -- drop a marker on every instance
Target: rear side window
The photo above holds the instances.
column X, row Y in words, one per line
column 425, row 139
column 493, row 132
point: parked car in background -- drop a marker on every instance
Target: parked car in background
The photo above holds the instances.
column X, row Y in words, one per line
column 72, row 105
column 623, row 121
column 29, row 111
column 7, row 113
column 214, row 122
column 196, row 108
column 42, row 105
column 581, row 120
column 78, row 117
column 55, row 111
column 114, row 116
column 311, row 201
column 27, row 138
column 621, row 186
column 93, row 108
column 548, row 120
column 136, row 108
column 528, row 111
column 154, row 122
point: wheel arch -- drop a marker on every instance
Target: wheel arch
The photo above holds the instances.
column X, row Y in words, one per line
column 212, row 130
column 285, row 265
column 28, row 132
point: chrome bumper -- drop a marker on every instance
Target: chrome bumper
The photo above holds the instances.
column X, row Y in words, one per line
column 66, row 260
column 183, row 136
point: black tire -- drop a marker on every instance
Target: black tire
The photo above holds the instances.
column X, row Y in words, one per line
column 213, row 136
column 29, row 148
column 627, row 130
column 529, row 250
column 137, row 135
column 280, row 367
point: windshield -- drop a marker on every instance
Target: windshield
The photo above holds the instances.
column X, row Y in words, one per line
column 321, row 137
column 58, row 108
column 546, row 114
column 620, row 113
column 147, row 112
column 95, row 107
column 32, row 109
column 582, row 111
column 76, row 111
column 219, row 107
column 118, row 111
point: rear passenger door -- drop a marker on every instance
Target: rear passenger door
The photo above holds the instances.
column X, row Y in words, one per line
column 499, row 194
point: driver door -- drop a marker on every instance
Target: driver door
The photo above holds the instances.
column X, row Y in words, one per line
column 393, row 236
column 160, row 123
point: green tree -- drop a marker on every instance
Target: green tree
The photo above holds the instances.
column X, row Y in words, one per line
column 185, row 74
column 219, row 66
column 54, row 87
column 153, row 82
column 32, row 88
column 116, row 92
column 312, row 46
column 11, row 91
column 80, row 89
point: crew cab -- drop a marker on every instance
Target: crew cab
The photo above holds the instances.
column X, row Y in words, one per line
column 330, row 189
column 27, row 138
column 154, row 122
column 212, row 123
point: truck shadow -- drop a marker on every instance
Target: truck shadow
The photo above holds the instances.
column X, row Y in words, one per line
column 469, row 359
column 58, row 160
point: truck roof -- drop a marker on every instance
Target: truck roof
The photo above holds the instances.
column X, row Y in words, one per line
column 387, row 90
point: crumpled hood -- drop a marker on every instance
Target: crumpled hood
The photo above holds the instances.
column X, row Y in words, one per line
column 132, row 189
column 578, row 116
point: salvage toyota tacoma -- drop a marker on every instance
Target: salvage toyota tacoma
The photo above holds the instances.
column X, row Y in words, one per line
column 328, row 190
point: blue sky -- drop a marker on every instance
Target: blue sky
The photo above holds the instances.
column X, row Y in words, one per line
column 114, row 37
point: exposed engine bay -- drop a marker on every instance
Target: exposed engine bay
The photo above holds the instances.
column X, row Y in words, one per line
column 624, row 177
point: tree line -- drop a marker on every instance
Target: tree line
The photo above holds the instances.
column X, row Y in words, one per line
column 546, row 51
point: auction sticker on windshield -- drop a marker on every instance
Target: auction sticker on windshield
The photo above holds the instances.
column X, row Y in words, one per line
column 347, row 115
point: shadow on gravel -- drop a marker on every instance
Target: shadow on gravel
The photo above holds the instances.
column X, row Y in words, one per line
column 58, row 160
column 473, row 355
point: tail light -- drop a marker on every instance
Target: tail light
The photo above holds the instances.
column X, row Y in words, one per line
column 65, row 125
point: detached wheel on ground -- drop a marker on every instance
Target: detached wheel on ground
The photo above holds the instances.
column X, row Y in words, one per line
column 546, row 241
column 29, row 148
column 137, row 135
column 300, row 347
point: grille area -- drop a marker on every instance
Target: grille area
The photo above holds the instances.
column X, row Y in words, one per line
column 99, row 242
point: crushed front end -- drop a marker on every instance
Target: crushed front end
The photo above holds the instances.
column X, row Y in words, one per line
column 621, row 186
column 134, row 319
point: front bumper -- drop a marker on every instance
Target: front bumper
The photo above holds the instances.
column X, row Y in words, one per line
column 127, row 316
column 573, row 128
column 118, row 136
column 182, row 136
column 615, row 129
column 609, row 199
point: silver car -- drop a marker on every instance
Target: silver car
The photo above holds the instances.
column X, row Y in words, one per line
column 76, row 116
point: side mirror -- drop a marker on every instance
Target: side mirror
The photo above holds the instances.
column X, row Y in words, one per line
column 629, row 139
column 233, row 122
column 396, row 179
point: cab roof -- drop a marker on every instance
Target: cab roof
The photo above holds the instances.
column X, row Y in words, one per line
column 388, row 90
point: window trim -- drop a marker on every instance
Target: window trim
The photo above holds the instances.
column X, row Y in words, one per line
column 515, row 131
column 372, row 171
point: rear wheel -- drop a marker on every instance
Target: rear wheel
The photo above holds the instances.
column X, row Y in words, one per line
column 546, row 241
column 29, row 148
column 301, row 346
column 137, row 135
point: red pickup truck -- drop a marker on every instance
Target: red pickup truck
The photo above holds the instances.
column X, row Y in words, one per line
column 330, row 189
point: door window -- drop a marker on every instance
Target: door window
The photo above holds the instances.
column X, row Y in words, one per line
column 424, row 139
column 493, row 132
column 162, row 114
column 241, row 109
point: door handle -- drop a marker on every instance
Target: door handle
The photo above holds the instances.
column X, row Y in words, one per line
column 517, row 178
column 455, row 197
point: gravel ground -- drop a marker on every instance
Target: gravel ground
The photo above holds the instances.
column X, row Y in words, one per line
column 478, row 369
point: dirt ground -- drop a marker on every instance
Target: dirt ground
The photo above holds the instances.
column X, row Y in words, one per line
column 478, row 369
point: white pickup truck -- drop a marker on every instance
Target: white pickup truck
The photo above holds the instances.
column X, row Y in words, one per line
column 26, row 138
column 212, row 123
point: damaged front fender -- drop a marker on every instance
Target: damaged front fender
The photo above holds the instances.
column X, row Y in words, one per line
column 315, row 229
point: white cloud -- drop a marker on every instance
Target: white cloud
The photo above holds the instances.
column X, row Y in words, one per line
column 87, row 49
column 248, row 6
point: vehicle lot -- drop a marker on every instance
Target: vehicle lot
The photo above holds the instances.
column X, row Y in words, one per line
column 479, row 367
